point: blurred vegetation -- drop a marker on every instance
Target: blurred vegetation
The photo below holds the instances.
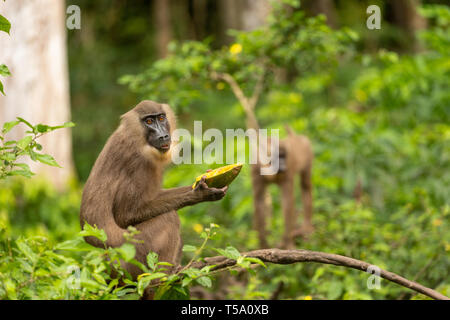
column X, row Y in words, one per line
column 376, row 114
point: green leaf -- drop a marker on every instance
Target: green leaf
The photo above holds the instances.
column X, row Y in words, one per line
column 77, row 244
column 152, row 260
column 255, row 260
column 99, row 278
column 65, row 125
column 204, row 281
column 145, row 280
column 229, row 252
column 10, row 143
column 189, row 248
column 318, row 273
column 41, row 128
column 9, row 125
column 8, row 156
column 24, row 173
column 186, row 281
column 192, row 272
column 127, row 251
column 26, row 122
column 24, row 142
column 24, row 166
column 46, row 159
column 5, row 25
column 161, row 291
column 171, row 293
column 163, row 263
column 1, row 88
column 26, row 250
column 32, row 154
column 89, row 230
column 112, row 284
column 4, row 71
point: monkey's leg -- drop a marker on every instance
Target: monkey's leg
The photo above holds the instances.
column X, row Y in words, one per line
column 306, row 187
column 259, row 216
column 288, row 205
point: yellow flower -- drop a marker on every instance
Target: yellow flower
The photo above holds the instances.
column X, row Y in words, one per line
column 437, row 222
column 220, row 86
column 236, row 48
column 307, row 298
column 447, row 247
column 198, row 228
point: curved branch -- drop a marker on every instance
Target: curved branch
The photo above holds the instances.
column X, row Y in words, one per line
column 278, row 256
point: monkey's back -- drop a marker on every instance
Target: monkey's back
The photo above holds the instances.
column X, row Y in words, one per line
column 300, row 152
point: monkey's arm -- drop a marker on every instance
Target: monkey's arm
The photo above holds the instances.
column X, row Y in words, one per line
column 134, row 211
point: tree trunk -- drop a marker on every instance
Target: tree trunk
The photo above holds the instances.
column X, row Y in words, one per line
column 407, row 18
column 242, row 15
column 253, row 13
column 325, row 7
column 161, row 16
column 38, row 88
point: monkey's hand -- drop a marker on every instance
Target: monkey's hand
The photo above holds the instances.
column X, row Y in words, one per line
column 206, row 193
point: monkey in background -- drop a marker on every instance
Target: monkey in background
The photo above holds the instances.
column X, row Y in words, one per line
column 124, row 187
column 295, row 158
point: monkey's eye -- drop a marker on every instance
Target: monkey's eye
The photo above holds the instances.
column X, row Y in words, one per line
column 149, row 121
column 161, row 118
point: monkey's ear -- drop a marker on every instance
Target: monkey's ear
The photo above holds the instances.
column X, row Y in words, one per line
column 289, row 130
column 170, row 116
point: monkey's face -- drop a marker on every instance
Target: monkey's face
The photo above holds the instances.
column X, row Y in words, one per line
column 157, row 131
column 278, row 161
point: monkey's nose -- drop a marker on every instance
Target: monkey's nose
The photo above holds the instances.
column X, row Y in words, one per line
column 163, row 138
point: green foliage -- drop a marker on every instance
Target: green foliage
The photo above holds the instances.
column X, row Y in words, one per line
column 5, row 26
column 11, row 150
column 34, row 268
column 289, row 40
column 380, row 120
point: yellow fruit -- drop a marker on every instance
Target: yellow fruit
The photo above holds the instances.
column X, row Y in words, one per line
column 220, row 177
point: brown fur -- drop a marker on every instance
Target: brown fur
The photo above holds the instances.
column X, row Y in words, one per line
column 299, row 158
column 124, row 188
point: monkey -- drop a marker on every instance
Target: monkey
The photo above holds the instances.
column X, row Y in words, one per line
column 124, row 187
column 295, row 156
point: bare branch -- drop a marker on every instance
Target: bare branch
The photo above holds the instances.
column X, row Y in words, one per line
column 278, row 256
column 257, row 90
column 247, row 104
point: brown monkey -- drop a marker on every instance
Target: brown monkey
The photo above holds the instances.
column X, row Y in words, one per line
column 124, row 186
column 295, row 157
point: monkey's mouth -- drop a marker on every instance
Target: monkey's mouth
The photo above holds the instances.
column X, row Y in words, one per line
column 164, row 147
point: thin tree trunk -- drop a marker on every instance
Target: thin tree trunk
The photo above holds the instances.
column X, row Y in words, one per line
column 242, row 15
column 407, row 17
column 38, row 88
column 161, row 16
column 325, row 7
column 253, row 13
